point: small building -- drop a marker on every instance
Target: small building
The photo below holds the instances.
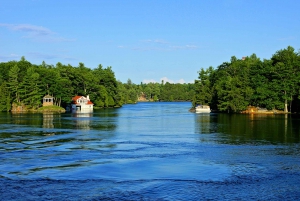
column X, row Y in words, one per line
column 81, row 103
column 47, row 100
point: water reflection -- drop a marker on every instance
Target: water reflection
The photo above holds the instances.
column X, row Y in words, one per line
column 26, row 118
column 203, row 123
column 252, row 128
column 48, row 120
column 37, row 144
column 97, row 120
column 28, row 130
column 83, row 119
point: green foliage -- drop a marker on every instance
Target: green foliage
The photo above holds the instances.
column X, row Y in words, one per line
column 25, row 84
column 110, row 102
column 231, row 87
column 176, row 92
column 30, row 92
column 5, row 99
column 52, row 108
column 234, row 85
column 285, row 73
column 14, row 82
column 203, row 93
column 130, row 92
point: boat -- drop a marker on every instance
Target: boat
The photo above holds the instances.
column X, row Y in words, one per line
column 202, row 109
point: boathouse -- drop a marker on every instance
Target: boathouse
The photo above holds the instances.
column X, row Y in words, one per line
column 81, row 103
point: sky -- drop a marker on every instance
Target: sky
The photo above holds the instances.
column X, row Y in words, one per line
column 146, row 40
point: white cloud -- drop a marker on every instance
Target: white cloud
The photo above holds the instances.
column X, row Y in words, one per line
column 37, row 33
column 181, row 81
column 9, row 57
column 31, row 29
column 165, row 79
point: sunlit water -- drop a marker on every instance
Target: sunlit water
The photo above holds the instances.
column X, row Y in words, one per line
column 149, row 151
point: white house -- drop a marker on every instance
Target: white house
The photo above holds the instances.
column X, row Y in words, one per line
column 81, row 103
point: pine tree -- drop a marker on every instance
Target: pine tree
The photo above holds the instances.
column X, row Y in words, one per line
column 14, row 84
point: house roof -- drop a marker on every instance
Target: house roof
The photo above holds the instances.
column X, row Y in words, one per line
column 75, row 98
column 48, row 96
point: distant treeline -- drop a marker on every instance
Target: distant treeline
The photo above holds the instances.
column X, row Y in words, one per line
column 157, row 92
column 25, row 84
column 272, row 83
column 231, row 87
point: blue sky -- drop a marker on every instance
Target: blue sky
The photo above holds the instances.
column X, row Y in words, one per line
column 146, row 40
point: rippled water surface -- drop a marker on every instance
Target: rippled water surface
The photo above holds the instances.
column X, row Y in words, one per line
column 149, row 151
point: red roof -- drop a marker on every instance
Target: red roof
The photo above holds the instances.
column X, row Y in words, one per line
column 76, row 97
column 74, row 100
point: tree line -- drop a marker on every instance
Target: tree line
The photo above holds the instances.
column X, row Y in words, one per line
column 25, row 84
column 157, row 91
column 231, row 87
column 269, row 83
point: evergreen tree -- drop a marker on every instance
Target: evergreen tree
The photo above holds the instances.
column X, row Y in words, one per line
column 285, row 70
column 30, row 90
column 5, row 99
column 14, row 84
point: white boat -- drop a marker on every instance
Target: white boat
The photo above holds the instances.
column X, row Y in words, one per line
column 202, row 109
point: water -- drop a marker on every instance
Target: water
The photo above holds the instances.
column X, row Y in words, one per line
column 149, row 151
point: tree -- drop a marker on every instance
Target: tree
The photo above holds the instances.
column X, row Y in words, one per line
column 106, row 77
column 5, row 99
column 233, row 86
column 264, row 94
column 203, row 87
column 26, row 84
column 30, row 90
column 13, row 83
column 102, row 98
column 285, row 70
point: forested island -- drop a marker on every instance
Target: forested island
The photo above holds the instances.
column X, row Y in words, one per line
column 273, row 84
column 25, row 84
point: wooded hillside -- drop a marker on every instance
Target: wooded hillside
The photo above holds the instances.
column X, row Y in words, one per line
column 270, row 83
column 23, row 83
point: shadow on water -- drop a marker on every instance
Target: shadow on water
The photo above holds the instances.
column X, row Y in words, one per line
column 40, row 130
column 244, row 128
column 99, row 119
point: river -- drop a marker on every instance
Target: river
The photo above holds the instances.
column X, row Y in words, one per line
column 149, row 151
